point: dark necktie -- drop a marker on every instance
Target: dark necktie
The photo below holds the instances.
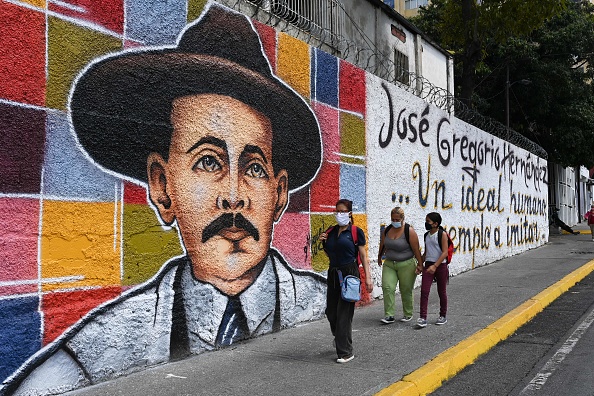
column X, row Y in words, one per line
column 234, row 325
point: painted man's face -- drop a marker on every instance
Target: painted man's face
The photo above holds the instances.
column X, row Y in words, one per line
column 219, row 184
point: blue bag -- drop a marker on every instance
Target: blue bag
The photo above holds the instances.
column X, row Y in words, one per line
column 350, row 287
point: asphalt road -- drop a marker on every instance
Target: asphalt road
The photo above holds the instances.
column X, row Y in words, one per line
column 553, row 354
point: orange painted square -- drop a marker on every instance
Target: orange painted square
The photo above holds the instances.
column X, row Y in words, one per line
column 78, row 246
column 293, row 63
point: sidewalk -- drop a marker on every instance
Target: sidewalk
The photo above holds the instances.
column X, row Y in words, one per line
column 485, row 305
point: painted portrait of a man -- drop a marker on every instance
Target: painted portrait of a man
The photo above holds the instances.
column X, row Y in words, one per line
column 220, row 142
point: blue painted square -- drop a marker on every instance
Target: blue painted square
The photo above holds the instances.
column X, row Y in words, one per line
column 155, row 22
column 20, row 332
column 68, row 173
column 390, row 3
column 352, row 185
column 326, row 78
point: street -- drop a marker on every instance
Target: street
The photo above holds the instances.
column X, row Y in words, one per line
column 550, row 355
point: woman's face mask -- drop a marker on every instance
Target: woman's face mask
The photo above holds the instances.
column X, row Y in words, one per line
column 342, row 218
column 428, row 226
column 396, row 224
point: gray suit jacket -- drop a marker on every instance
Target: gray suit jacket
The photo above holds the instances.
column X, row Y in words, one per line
column 137, row 329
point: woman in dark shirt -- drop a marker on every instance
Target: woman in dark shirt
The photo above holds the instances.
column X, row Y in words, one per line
column 342, row 251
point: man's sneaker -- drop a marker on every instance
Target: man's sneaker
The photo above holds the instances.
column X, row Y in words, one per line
column 388, row 320
column 406, row 319
column 441, row 321
column 421, row 323
column 345, row 359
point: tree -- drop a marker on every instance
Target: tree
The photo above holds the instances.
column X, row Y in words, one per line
column 556, row 109
column 467, row 26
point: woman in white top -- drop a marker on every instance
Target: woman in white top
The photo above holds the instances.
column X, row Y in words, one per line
column 435, row 267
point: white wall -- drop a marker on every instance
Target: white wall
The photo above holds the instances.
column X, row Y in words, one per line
column 426, row 161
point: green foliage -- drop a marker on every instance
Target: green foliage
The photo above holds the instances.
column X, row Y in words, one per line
column 556, row 108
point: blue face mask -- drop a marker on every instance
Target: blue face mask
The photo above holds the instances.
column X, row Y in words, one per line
column 396, row 224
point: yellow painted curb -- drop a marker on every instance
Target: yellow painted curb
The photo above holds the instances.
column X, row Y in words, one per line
column 511, row 321
column 402, row 388
column 447, row 364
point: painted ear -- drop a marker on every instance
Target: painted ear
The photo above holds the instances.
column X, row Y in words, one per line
column 282, row 194
column 157, row 181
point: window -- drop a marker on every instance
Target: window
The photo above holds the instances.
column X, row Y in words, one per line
column 401, row 67
column 412, row 4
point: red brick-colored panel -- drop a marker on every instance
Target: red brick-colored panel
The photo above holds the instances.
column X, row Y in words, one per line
column 22, row 139
column 79, row 303
column 268, row 37
column 107, row 13
column 22, row 58
column 352, row 88
column 325, row 188
column 134, row 194
column 19, row 222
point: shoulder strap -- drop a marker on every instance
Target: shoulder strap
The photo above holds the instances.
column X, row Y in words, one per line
column 388, row 228
column 354, row 234
column 439, row 234
column 407, row 233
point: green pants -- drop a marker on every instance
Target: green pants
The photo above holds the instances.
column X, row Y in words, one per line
column 392, row 273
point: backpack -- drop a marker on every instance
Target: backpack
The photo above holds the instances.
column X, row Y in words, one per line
column 440, row 232
column 355, row 239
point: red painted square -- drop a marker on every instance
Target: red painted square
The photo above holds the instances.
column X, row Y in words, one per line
column 134, row 194
column 19, row 222
column 107, row 13
column 325, row 188
column 268, row 38
column 352, row 88
column 22, row 54
column 57, row 318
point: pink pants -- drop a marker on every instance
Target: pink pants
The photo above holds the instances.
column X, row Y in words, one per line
column 441, row 275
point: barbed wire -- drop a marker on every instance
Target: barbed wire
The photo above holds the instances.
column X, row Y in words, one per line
column 373, row 61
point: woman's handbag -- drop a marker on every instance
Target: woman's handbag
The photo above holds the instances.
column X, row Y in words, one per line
column 350, row 287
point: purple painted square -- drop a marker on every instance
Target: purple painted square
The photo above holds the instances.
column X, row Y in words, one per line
column 22, row 138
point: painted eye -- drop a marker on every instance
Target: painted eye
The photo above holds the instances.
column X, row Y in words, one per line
column 256, row 170
column 207, row 163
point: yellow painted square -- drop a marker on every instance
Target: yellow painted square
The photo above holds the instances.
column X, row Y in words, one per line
column 320, row 223
column 147, row 244
column 352, row 139
column 195, row 8
column 78, row 245
column 36, row 3
column 293, row 63
column 70, row 49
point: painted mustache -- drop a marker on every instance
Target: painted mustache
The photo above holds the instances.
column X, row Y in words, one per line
column 229, row 221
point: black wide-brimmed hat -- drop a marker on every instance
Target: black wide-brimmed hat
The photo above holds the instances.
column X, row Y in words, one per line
column 120, row 106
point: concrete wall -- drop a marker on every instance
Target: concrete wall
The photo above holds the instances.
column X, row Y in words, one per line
column 379, row 32
column 102, row 270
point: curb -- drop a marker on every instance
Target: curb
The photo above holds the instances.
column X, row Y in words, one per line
column 447, row 364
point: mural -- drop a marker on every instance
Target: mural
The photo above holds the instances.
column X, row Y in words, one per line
column 226, row 154
column 165, row 183
column 491, row 195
